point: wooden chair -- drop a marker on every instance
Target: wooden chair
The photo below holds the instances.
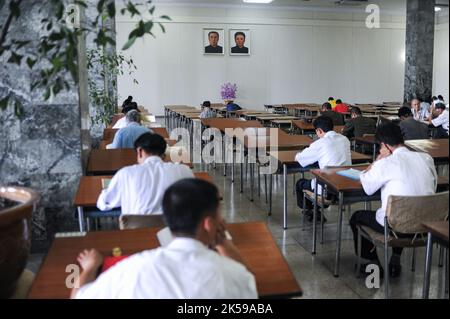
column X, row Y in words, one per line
column 140, row 221
column 404, row 215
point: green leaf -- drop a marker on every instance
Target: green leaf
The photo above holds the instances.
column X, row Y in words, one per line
column 15, row 58
column 14, row 7
column 31, row 62
column 111, row 9
column 47, row 93
column 20, row 44
column 165, row 17
column 129, row 43
column 162, row 28
column 100, row 5
column 152, row 9
column 4, row 102
column 18, row 109
column 148, row 26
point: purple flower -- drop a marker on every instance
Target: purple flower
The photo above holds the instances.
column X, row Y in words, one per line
column 228, row 91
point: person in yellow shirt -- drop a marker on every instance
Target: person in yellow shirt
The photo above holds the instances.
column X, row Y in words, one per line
column 332, row 101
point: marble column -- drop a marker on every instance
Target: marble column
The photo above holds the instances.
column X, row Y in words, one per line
column 420, row 18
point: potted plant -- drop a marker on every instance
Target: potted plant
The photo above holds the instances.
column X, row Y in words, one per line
column 228, row 92
column 16, row 207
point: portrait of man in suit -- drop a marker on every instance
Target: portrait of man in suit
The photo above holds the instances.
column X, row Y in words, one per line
column 241, row 40
column 214, row 40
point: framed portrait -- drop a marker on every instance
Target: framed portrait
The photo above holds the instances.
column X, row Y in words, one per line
column 240, row 42
column 214, row 41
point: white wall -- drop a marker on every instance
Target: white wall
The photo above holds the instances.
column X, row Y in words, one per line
column 296, row 57
column 441, row 57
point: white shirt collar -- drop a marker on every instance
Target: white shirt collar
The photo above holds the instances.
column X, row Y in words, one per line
column 186, row 244
column 330, row 133
column 152, row 159
column 400, row 149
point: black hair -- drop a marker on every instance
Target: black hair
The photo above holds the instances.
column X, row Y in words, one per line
column 211, row 32
column 440, row 97
column 434, row 98
column 338, row 101
column 206, row 104
column 186, row 203
column 356, row 110
column 389, row 133
column 440, row 106
column 327, row 106
column 330, row 98
column 130, row 98
column 239, row 33
column 151, row 144
column 323, row 122
column 404, row 112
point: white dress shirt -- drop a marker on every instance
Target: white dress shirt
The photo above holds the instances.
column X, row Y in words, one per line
column 185, row 269
column 404, row 173
column 139, row 188
column 121, row 123
column 331, row 150
column 442, row 119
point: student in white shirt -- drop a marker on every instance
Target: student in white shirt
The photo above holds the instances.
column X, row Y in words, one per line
column 187, row 268
column 397, row 171
column 139, row 189
column 441, row 121
column 331, row 149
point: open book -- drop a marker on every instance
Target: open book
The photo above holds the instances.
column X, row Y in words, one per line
column 351, row 173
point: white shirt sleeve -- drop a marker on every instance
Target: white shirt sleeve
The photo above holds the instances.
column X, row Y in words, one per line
column 375, row 178
column 440, row 120
column 111, row 197
column 309, row 155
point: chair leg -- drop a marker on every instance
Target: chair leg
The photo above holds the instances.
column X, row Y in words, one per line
column 304, row 211
column 386, row 261
column 321, row 215
column 358, row 257
column 265, row 186
column 413, row 260
column 259, row 182
column 293, row 184
column 441, row 255
column 446, row 273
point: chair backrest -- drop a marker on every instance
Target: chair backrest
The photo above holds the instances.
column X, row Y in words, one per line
column 140, row 221
column 407, row 213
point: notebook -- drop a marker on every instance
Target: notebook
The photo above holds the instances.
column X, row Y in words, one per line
column 351, row 173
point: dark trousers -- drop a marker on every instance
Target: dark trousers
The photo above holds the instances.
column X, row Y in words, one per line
column 367, row 218
column 303, row 184
column 440, row 132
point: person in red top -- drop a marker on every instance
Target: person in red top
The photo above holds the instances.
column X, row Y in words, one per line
column 341, row 107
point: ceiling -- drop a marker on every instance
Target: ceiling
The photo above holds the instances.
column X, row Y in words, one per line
column 398, row 6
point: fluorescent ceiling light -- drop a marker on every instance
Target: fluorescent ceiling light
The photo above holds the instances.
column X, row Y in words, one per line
column 258, row 1
column 437, row 9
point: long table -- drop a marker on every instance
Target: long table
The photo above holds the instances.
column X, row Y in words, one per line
column 253, row 240
column 89, row 189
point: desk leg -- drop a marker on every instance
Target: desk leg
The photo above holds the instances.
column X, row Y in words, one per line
column 374, row 152
column 224, row 157
column 339, row 235
column 426, row 276
column 242, row 177
column 81, row 218
column 314, row 219
column 251, row 181
column 285, row 226
column 270, row 194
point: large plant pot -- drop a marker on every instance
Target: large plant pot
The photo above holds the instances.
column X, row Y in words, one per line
column 15, row 235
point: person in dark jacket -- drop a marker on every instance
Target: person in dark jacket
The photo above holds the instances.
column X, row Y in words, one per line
column 327, row 111
column 358, row 125
column 411, row 129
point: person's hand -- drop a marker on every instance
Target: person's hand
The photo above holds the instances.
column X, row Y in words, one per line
column 90, row 259
column 384, row 152
column 220, row 234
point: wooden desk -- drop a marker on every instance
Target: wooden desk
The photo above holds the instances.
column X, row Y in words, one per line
column 109, row 133
column 89, row 189
column 253, row 240
column 106, row 162
column 437, row 232
column 437, row 149
column 307, row 126
column 287, row 163
column 224, row 123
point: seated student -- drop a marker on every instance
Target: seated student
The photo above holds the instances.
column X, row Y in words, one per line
column 340, row 107
column 186, row 268
column 411, row 129
column 331, row 149
column 358, row 125
column 337, row 118
column 206, row 111
column 419, row 110
column 232, row 107
column 127, row 101
column 397, row 171
column 441, row 121
column 126, row 136
column 129, row 107
column 138, row 189
column 332, row 102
